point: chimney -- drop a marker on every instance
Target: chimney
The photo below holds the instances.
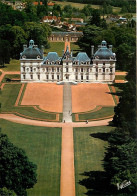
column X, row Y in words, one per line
column 24, row 47
column 110, row 47
column 42, row 48
column 92, row 51
column 71, row 53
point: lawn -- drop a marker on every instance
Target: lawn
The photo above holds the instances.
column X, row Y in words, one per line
column 43, row 147
column 89, row 152
column 14, row 65
column 102, row 113
column 10, row 77
column 76, row 5
column 59, row 47
column 120, row 77
column 8, row 98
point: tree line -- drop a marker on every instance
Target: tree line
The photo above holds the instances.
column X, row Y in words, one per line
column 122, row 37
column 16, row 29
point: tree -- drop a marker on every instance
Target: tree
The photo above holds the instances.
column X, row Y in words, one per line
column 38, row 32
column 4, row 52
column 95, row 18
column 5, row 192
column 17, row 173
column 120, row 160
column 20, row 38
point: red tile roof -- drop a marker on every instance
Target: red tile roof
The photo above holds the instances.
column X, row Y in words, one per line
column 36, row 3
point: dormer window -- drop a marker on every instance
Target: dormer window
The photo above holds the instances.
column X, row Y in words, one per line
column 24, row 57
column 38, row 57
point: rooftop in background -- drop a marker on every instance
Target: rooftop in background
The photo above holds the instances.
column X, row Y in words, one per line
column 36, row 3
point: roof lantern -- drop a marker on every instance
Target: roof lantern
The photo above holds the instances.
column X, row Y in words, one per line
column 31, row 43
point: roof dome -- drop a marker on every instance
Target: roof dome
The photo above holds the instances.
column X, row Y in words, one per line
column 32, row 52
column 103, row 52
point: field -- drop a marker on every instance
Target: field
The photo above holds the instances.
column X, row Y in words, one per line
column 81, row 5
column 89, row 149
column 86, row 97
column 43, row 147
column 49, row 97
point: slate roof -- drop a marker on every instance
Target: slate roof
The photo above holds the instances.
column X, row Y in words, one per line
column 32, row 52
column 82, row 57
column 52, row 56
column 104, row 52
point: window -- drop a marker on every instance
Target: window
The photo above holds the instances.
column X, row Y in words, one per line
column 31, row 69
column 31, row 77
column 52, row 69
column 47, row 77
column 43, row 69
column 34, row 69
column 24, row 77
column 47, row 69
column 106, row 70
column 38, row 57
column 23, row 68
column 111, row 70
column 96, row 63
column 57, row 77
column 57, row 69
column 103, row 69
column 99, row 70
column 76, row 77
column 52, row 77
column 96, row 69
column 87, row 77
column 81, row 77
column 87, row 69
column 103, row 63
column 38, row 77
column 66, row 69
column 27, row 69
column 66, row 63
column 81, row 69
column 67, row 77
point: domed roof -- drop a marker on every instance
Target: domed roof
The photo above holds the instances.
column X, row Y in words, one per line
column 32, row 52
column 103, row 52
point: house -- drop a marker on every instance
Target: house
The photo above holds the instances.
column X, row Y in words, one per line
column 99, row 68
column 64, row 36
column 50, row 19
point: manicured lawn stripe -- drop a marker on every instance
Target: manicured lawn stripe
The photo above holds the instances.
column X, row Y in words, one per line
column 43, row 147
column 89, row 153
column 102, row 113
column 120, row 77
column 11, row 76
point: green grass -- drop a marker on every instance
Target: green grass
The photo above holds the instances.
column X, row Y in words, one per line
column 89, row 152
column 8, row 98
column 76, row 5
column 59, row 47
column 11, row 76
column 120, row 77
column 102, row 113
column 14, row 65
column 43, row 147
column 81, row 5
